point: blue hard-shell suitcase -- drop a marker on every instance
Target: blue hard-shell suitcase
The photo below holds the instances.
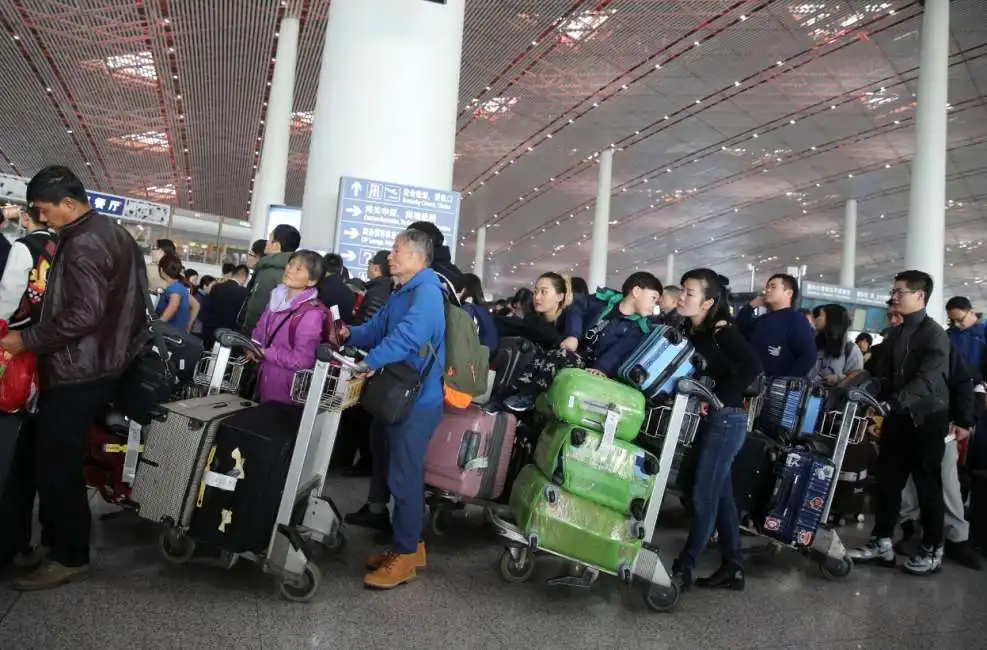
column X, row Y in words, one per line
column 790, row 409
column 811, row 415
column 658, row 362
column 800, row 494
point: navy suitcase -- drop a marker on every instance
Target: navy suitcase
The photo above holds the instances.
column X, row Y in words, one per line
column 788, row 411
column 658, row 362
column 800, row 493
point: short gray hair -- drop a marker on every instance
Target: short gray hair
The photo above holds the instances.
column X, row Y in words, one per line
column 418, row 241
column 672, row 290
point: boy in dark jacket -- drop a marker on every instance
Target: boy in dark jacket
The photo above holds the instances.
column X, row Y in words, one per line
column 611, row 325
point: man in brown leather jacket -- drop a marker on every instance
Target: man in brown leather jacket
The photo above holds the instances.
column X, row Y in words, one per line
column 92, row 314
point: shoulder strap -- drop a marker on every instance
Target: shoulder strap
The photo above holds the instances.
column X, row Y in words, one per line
column 140, row 268
column 296, row 316
column 450, row 289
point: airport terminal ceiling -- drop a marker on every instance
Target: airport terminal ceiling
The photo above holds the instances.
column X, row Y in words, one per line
column 740, row 126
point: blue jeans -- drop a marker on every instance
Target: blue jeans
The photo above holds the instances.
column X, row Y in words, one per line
column 713, row 506
column 402, row 448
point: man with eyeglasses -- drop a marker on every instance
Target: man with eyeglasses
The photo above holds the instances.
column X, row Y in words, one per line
column 913, row 372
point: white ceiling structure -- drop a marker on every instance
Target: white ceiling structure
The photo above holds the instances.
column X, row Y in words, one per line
column 740, row 126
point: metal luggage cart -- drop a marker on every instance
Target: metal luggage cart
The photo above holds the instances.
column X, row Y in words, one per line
column 843, row 428
column 655, row 427
column 307, row 516
column 660, row 592
column 232, row 372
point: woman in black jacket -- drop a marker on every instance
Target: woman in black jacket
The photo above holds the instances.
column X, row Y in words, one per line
column 545, row 324
column 733, row 365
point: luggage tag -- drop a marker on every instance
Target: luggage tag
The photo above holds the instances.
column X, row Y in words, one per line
column 134, row 448
column 227, row 482
column 609, row 431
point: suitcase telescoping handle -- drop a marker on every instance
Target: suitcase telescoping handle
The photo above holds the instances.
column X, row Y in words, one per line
column 230, row 339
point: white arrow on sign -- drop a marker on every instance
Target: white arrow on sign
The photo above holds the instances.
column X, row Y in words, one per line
column 354, row 211
column 356, row 188
column 349, row 256
column 352, row 233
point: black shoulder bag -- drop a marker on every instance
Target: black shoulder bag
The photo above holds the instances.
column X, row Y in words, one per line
column 391, row 393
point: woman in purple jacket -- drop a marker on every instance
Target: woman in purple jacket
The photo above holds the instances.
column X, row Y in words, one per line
column 290, row 329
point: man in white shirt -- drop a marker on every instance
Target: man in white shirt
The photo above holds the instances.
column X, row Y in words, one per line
column 25, row 277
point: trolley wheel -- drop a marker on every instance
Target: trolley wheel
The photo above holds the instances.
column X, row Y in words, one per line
column 175, row 547
column 440, row 519
column 335, row 543
column 301, row 589
column 836, row 570
column 513, row 571
column 662, row 599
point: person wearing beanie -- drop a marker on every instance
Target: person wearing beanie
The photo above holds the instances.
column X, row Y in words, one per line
column 442, row 264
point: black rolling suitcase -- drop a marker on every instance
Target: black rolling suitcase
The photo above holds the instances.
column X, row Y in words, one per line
column 513, row 357
column 241, row 489
column 16, row 484
column 850, row 498
column 753, row 474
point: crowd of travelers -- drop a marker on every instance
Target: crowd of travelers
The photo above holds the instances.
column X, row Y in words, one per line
column 93, row 281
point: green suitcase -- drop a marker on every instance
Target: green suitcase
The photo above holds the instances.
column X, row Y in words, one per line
column 619, row 477
column 572, row 527
column 578, row 397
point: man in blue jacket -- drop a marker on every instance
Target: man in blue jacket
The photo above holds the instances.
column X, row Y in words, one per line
column 783, row 337
column 970, row 340
column 409, row 329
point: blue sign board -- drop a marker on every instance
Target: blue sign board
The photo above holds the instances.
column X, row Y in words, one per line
column 111, row 206
column 370, row 215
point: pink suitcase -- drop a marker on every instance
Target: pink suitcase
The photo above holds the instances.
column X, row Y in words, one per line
column 470, row 452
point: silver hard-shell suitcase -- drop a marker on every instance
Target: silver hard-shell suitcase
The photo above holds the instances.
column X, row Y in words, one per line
column 176, row 449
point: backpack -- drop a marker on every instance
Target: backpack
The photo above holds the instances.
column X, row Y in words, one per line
column 331, row 323
column 467, row 362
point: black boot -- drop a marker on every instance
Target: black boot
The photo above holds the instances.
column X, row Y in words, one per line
column 728, row 576
column 683, row 577
column 909, row 542
column 366, row 519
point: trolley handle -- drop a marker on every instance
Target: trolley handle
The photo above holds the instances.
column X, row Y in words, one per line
column 863, row 397
column 230, row 339
column 693, row 388
column 327, row 353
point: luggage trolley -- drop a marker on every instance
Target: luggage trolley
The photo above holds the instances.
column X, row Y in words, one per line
column 306, row 515
column 845, row 428
column 660, row 592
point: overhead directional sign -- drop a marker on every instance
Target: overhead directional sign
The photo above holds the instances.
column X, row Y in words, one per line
column 371, row 213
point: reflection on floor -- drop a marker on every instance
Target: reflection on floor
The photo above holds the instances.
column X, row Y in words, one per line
column 133, row 599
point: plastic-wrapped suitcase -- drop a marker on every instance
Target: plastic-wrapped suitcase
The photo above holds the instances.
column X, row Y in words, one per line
column 753, row 473
column 661, row 359
column 513, row 356
column 619, row 477
column 470, row 452
column 240, row 492
column 800, row 493
column 578, row 397
column 573, row 527
column 176, row 445
column 812, row 411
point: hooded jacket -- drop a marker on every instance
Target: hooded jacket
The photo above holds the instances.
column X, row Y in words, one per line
column 971, row 344
column 413, row 317
column 608, row 336
column 287, row 352
column 267, row 275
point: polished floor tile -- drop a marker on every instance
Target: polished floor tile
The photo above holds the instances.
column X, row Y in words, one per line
column 135, row 599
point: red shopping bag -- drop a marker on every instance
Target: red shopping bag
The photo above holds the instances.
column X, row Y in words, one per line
column 18, row 378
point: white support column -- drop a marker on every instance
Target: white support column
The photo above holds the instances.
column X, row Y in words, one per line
column 670, row 279
column 848, row 263
column 272, row 170
column 600, row 241
column 481, row 252
column 386, row 105
column 927, row 206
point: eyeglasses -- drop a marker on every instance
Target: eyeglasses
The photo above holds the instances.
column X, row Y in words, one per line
column 896, row 293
